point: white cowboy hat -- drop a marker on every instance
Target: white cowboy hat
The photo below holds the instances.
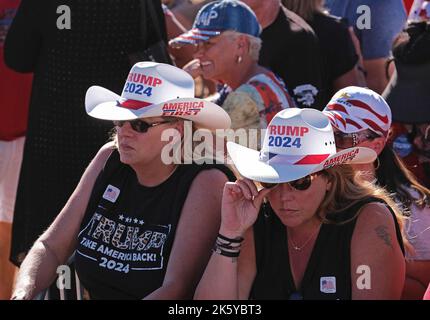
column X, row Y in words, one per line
column 155, row 90
column 298, row 142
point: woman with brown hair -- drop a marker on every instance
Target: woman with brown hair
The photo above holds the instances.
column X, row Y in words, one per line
column 363, row 118
column 323, row 233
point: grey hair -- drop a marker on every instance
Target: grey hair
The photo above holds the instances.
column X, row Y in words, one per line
column 254, row 43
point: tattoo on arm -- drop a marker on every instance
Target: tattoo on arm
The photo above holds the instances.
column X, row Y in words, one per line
column 382, row 233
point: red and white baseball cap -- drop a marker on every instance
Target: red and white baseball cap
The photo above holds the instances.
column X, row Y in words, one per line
column 420, row 11
column 298, row 142
column 355, row 109
column 155, row 90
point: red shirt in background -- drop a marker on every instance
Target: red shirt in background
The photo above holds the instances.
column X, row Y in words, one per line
column 15, row 88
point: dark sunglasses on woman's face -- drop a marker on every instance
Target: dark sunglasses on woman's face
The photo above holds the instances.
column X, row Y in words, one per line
column 299, row 184
column 350, row 140
column 139, row 125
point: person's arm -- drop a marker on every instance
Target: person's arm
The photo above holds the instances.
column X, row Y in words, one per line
column 183, row 54
column 193, row 68
column 376, row 41
column 417, row 279
column 377, row 262
column 346, row 59
column 24, row 39
column 58, row 242
column 375, row 74
column 195, row 235
column 361, row 72
column 226, row 277
column 350, row 78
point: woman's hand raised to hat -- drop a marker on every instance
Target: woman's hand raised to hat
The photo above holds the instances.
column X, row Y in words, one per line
column 194, row 68
column 241, row 203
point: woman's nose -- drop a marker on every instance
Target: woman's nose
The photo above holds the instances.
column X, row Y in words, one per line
column 125, row 129
column 198, row 53
column 286, row 191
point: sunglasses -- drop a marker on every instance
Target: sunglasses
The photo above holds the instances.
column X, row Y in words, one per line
column 139, row 125
column 350, row 140
column 299, row 184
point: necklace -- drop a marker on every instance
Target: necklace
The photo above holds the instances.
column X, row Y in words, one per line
column 299, row 248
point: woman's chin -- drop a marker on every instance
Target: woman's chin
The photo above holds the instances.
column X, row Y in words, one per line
column 126, row 158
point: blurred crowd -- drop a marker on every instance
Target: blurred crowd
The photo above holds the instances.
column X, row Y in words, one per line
column 361, row 65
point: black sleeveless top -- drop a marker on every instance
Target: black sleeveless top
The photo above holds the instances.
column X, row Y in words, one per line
column 328, row 273
column 128, row 230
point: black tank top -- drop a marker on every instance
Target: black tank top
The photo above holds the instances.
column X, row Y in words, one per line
column 128, row 230
column 328, row 273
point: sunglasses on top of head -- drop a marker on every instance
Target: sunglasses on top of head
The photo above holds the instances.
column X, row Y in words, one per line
column 299, row 184
column 350, row 140
column 139, row 125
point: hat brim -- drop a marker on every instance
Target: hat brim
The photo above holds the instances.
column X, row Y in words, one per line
column 104, row 104
column 247, row 162
column 193, row 36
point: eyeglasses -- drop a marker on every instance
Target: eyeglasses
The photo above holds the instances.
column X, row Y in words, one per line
column 350, row 140
column 299, row 184
column 139, row 125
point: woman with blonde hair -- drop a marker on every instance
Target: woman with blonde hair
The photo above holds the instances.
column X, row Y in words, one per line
column 363, row 118
column 140, row 225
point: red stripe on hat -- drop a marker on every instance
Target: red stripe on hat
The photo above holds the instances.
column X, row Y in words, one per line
column 337, row 107
column 134, row 104
column 338, row 117
column 313, row 159
column 353, row 123
column 361, row 104
column 374, row 126
column 330, row 117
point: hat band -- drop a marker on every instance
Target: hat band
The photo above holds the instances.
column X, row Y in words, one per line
column 274, row 158
column 133, row 104
column 197, row 35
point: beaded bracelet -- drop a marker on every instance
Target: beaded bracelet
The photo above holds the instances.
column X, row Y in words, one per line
column 235, row 240
column 227, row 247
column 230, row 254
